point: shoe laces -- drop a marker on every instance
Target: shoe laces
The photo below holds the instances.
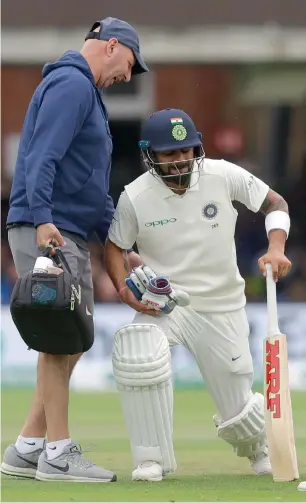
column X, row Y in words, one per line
column 75, row 456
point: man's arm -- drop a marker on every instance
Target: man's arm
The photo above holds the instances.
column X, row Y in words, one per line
column 117, row 267
column 106, row 219
column 116, row 264
column 133, row 259
column 122, row 235
column 60, row 116
column 257, row 196
column 61, row 112
column 276, row 211
column 275, row 202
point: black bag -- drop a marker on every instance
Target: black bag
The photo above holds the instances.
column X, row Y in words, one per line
column 49, row 312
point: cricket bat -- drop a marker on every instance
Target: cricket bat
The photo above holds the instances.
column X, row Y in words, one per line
column 278, row 409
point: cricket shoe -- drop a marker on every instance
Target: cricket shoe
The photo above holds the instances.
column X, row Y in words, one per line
column 302, row 486
column 261, row 463
column 71, row 466
column 20, row 465
column 149, row 470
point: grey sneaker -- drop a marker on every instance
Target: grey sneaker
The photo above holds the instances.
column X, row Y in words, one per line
column 71, row 466
column 20, row 465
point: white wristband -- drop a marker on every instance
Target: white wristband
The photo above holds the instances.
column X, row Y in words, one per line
column 277, row 220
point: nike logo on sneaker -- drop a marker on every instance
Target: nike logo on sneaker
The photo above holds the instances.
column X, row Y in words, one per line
column 52, row 448
column 27, row 461
column 29, row 443
column 234, row 359
column 60, row 468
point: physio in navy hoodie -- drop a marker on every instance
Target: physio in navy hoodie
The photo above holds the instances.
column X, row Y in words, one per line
column 60, row 196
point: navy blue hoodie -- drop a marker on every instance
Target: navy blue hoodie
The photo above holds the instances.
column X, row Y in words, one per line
column 64, row 158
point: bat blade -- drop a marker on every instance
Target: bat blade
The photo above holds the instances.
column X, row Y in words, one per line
column 278, row 410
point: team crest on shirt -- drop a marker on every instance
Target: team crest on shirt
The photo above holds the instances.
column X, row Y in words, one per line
column 210, row 210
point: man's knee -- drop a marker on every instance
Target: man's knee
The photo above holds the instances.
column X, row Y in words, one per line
column 141, row 355
column 246, row 432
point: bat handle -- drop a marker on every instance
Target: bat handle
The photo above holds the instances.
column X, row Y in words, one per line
column 273, row 327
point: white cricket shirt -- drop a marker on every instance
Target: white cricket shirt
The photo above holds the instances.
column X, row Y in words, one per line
column 190, row 237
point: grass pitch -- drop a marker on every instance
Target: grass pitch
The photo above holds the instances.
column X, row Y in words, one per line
column 207, row 468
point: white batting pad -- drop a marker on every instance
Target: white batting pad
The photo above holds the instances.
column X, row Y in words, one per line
column 246, row 432
column 142, row 370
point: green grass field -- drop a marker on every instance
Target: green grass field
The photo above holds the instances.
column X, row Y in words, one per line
column 207, row 468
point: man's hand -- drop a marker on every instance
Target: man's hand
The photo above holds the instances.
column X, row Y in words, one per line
column 133, row 260
column 155, row 291
column 129, row 298
column 48, row 234
column 160, row 295
column 275, row 256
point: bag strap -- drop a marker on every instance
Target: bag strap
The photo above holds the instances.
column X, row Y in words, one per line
column 58, row 257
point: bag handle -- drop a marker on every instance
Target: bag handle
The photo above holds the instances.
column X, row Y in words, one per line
column 58, row 257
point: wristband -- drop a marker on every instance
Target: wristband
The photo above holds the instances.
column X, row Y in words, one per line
column 277, row 220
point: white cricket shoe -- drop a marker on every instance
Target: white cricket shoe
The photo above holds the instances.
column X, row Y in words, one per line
column 261, row 463
column 149, row 470
column 302, row 486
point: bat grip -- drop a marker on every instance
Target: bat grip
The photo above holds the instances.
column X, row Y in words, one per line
column 273, row 327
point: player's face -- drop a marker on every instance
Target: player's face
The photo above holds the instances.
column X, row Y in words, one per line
column 117, row 66
column 177, row 163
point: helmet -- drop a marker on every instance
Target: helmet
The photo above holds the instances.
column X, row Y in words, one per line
column 168, row 130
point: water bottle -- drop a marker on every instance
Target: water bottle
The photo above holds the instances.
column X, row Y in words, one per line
column 42, row 265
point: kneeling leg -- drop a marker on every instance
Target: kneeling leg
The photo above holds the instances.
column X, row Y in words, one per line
column 142, row 370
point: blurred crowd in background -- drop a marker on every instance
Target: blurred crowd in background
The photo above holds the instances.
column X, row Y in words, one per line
column 251, row 242
column 239, row 72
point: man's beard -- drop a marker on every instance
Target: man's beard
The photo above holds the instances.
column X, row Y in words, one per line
column 180, row 179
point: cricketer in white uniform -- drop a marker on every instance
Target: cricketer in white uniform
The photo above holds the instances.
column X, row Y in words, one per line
column 180, row 215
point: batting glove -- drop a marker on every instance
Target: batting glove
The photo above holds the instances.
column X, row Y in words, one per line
column 155, row 291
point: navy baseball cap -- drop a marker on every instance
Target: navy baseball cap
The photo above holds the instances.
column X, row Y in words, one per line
column 169, row 129
column 112, row 27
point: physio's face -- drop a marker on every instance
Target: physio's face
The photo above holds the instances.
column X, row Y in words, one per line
column 117, row 65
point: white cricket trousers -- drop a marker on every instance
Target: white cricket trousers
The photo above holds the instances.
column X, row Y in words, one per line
column 219, row 343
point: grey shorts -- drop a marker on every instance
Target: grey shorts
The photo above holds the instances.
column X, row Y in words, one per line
column 22, row 241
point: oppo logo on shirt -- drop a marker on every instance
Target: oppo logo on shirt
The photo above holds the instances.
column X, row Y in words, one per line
column 157, row 223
